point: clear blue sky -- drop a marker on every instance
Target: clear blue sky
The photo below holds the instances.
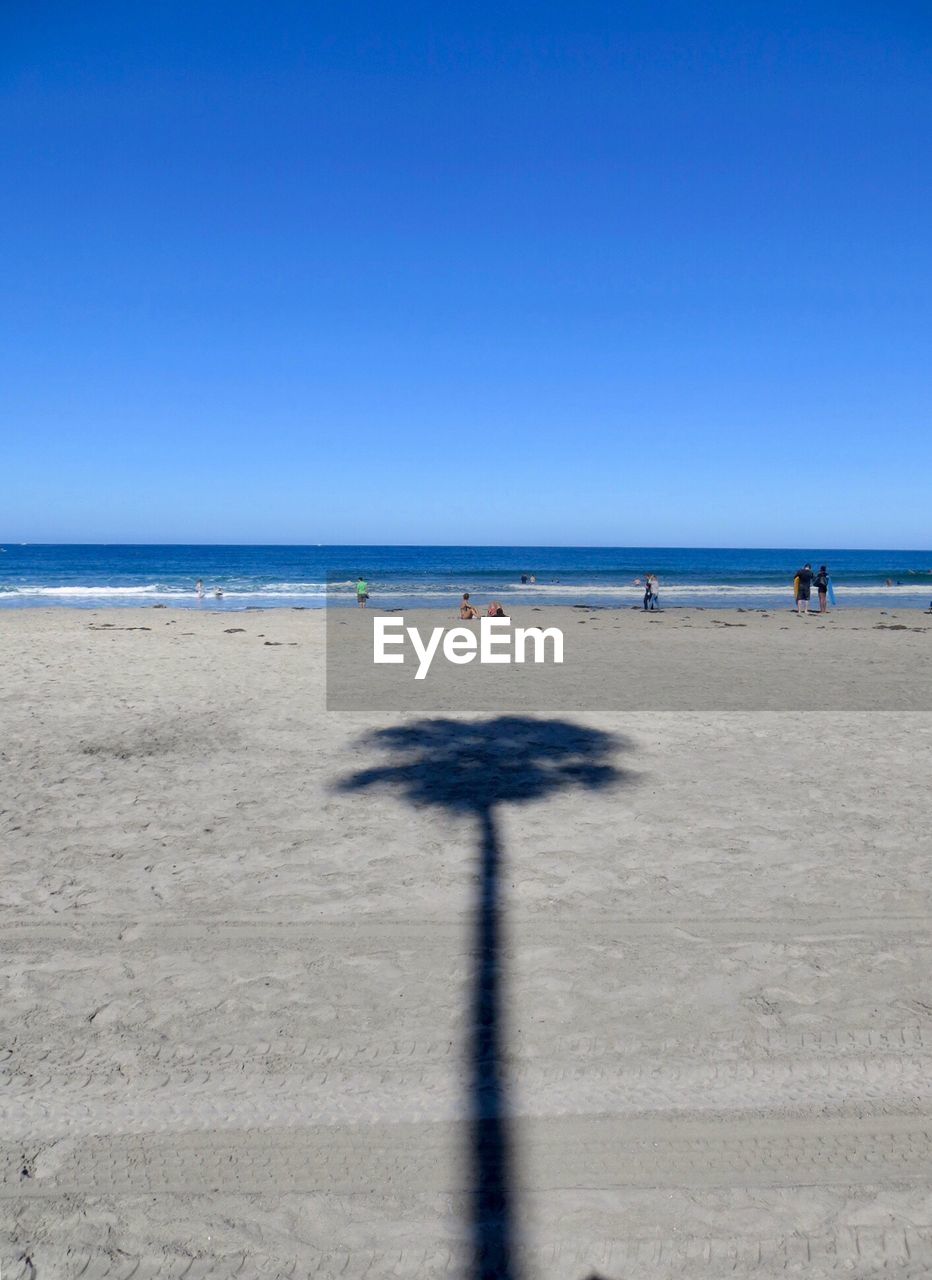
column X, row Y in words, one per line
column 618, row 273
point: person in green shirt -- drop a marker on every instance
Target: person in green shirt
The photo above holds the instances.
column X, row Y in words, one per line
column 362, row 592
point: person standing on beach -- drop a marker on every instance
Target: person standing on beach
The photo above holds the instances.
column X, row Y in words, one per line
column 650, row 593
column 199, row 588
column 803, row 588
column 821, row 582
column 362, row 592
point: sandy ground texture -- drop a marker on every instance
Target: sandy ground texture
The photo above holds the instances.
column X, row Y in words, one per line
column 245, row 946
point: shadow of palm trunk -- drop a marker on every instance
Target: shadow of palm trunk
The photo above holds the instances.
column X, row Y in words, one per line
column 492, row 1222
column 473, row 767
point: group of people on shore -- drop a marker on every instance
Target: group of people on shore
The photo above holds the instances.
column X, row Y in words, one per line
column 804, row 582
column 651, row 591
column 469, row 612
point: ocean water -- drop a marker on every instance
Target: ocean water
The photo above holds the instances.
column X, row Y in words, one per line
column 408, row 577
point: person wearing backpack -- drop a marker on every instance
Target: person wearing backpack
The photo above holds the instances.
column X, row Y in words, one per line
column 804, row 578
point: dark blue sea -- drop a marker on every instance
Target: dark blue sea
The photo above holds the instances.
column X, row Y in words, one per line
column 405, row 577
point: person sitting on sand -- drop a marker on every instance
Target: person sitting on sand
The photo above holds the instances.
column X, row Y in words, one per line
column 495, row 610
column 468, row 611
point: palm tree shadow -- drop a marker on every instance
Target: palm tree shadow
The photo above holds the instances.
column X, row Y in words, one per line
column 471, row 768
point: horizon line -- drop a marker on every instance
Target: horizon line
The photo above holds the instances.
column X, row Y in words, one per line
column 517, row 546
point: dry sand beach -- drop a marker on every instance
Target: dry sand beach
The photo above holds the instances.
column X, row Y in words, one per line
column 238, row 990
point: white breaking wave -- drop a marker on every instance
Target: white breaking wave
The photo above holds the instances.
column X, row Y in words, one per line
column 150, row 590
column 285, row 588
column 279, row 592
column 703, row 589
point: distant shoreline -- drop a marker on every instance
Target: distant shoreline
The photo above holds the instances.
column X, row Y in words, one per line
column 672, row 599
